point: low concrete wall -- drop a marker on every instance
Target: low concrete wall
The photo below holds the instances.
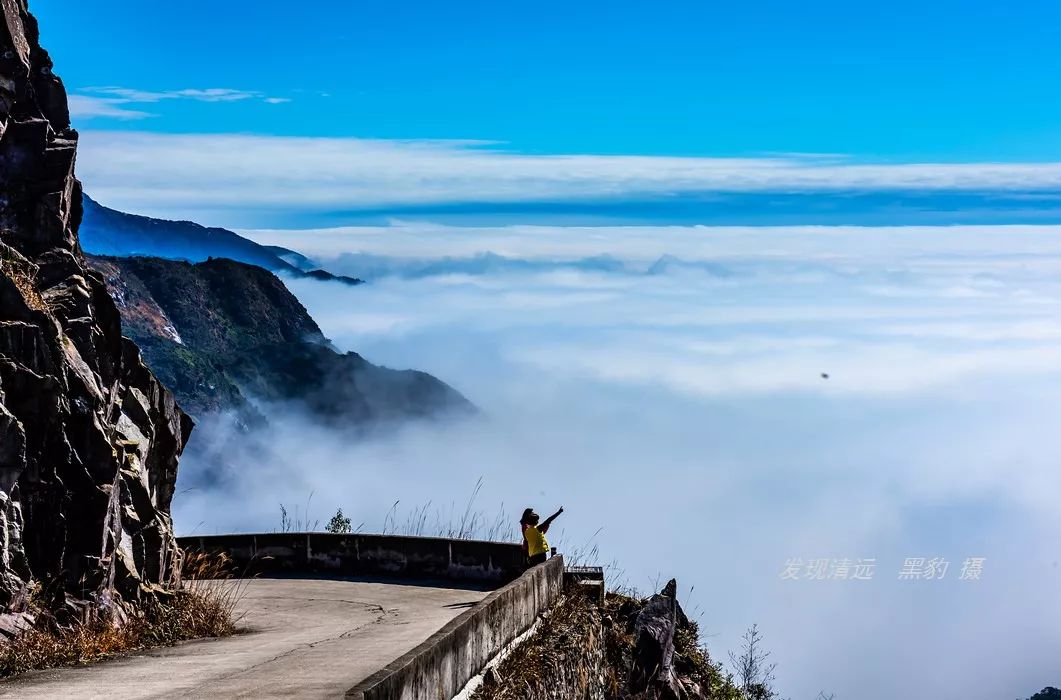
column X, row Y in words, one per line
column 394, row 555
column 441, row 666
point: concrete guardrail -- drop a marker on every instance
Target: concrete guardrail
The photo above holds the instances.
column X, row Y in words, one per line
column 440, row 667
column 358, row 555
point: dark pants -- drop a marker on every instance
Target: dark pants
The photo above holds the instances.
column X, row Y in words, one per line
column 536, row 559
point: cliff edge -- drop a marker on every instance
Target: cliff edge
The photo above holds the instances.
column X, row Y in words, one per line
column 89, row 439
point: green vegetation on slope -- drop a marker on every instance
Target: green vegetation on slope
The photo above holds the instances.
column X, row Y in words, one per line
column 220, row 333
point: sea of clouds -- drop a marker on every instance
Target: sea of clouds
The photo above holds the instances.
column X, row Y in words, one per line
column 666, row 386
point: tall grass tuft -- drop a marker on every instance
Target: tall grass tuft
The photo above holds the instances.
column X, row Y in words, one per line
column 214, row 580
column 425, row 520
column 471, row 523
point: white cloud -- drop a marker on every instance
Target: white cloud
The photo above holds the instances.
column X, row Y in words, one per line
column 200, row 95
column 110, row 102
column 684, row 413
column 89, row 107
column 166, row 173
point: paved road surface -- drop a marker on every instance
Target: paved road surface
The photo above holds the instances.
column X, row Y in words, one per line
column 307, row 638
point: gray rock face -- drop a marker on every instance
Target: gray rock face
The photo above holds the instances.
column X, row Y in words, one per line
column 653, row 668
column 89, row 439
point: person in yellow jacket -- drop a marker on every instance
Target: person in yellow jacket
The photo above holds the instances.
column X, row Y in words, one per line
column 535, row 546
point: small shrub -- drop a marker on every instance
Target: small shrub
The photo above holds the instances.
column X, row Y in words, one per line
column 339, row 524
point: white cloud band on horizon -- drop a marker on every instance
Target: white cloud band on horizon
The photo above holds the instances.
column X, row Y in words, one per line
column 648, row 244
column 166, row 174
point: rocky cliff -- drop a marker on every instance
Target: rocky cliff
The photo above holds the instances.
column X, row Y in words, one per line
column 222, row 334
column 89, row 439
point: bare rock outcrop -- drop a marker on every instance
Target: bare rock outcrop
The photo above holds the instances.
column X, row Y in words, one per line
column 653, row 671
column 89, row 439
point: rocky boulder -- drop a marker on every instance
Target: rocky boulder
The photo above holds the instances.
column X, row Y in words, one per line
column 89, row 439
column 654, row 631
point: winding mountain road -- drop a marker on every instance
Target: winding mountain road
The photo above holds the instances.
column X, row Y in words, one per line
column 305, row 638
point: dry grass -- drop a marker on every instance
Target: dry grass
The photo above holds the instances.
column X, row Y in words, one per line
column 184, row 615
column 571, row 626
column 426, row 520
column 22, row 274
column 200, row 608
column 214, row 578
column 559, row 638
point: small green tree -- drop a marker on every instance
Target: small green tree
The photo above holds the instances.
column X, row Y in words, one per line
column 1048, row 693
column 338, row 524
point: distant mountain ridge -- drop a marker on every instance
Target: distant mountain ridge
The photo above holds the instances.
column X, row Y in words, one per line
column 223, row 334
column 106, row 231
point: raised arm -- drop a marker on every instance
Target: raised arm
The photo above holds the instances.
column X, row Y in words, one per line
column 545, row 526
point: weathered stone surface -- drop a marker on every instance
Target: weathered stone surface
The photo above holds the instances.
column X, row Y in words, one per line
column 653, row 667
column 89, row 439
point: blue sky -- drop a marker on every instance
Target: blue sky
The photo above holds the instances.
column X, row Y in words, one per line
column 910, row 82
column 906, row 80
